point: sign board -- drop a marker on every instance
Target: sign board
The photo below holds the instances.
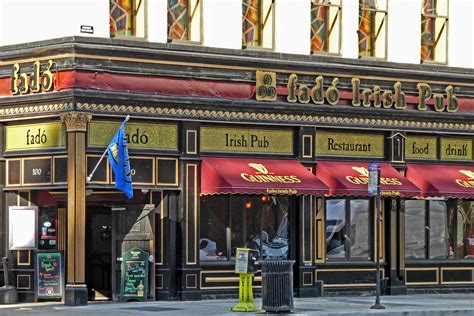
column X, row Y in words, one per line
column 456, row 149
column 332, row 143
column 139, row 135
column 36, row 171
column 374, row 175
column 135, row 275
column 244, row 140
column 49, row 274
column 421, row 147
column 35, row 136
column 22, row 222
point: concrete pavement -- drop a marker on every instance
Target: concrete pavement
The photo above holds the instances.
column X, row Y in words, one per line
column 432, row 305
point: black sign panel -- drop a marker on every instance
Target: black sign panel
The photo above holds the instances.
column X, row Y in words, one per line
column 135, row 274
column 60, row 170
column 37, row 171
column 100, row 174
column 14, row 172
column 167, row 171
column 142, row 171
column 49, row 273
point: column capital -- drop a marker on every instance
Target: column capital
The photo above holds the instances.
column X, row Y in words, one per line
column 76, row 121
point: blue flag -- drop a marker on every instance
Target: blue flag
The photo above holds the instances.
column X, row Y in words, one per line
column 119, row 161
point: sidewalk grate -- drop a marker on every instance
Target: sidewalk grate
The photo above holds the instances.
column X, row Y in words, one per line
column 153, row 309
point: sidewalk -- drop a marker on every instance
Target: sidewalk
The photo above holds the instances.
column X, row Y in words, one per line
column 432, row 305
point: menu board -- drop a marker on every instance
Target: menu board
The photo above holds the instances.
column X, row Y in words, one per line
column 49, row 274
column 135, row 274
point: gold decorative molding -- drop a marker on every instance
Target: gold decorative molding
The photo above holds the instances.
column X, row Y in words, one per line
column 76, row 121
column 311, row 119
column 31, row 109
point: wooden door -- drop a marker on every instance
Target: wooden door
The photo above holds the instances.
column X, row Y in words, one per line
column 132, row 226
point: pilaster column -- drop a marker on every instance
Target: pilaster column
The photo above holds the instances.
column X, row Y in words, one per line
column 76, row 126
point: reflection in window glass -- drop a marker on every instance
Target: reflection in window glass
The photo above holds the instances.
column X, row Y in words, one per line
column 438, row 227
column 359, row 229
column 335, row 228
column 212, row 245
column 415, row 245
column 249, row 220
column 47, row 228
column 465, row 230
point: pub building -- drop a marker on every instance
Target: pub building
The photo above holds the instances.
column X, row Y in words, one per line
column 232, row 149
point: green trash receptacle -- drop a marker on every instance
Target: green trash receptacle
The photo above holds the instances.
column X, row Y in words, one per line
column 277, row 285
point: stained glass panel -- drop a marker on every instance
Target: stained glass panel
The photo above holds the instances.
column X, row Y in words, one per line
column 251, row 23
column 366, row 27
column 178, row 19
column 121, row 17
column 428, row 30
column 319, row 28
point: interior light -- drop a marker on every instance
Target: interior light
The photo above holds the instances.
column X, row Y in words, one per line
column 248, row 205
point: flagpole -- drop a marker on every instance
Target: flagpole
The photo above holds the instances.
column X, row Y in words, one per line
column 102, row 157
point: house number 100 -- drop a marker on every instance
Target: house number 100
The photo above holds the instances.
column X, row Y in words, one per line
column 36, row 172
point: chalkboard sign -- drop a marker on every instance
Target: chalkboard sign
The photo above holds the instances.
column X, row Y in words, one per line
column 135, row 274
column 49, row 274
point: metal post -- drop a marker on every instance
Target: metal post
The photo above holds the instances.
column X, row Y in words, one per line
column 377, row 304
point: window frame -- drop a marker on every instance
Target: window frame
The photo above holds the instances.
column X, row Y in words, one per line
column 339, row 17
column 385, row 39
column 445, row 29
column 347, row 247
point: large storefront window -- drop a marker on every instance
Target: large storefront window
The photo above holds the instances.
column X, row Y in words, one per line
column 465, row 229
column 257, row 222
column 429, row 229
column 348, row 229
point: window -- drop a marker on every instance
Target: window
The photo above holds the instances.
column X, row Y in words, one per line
column 228, row 222
column 429, row 229
column 372, row 28
column 257, row 23
column 47, row 228
column 464, row 230
column 348, row 227
column 127, row 18
column 184, row 20
column 325, row 26
column 434, row 23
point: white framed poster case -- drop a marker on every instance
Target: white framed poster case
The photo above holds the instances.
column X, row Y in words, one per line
column 22, row 227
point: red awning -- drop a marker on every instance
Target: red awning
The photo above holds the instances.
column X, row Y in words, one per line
column 442, row 180
column 258, row 176
column 351, row 178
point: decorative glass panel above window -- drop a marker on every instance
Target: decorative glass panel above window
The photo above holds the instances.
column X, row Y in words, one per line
column 257, row 23
column 184, row 20
column 127, row 18
column 434, row 24
column 325, row 26
column 372, row 28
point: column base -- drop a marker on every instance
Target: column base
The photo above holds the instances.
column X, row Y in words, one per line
column 75, row 295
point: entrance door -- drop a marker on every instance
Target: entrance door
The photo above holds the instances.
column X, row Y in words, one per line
column 99, row 253
column 132, row 226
